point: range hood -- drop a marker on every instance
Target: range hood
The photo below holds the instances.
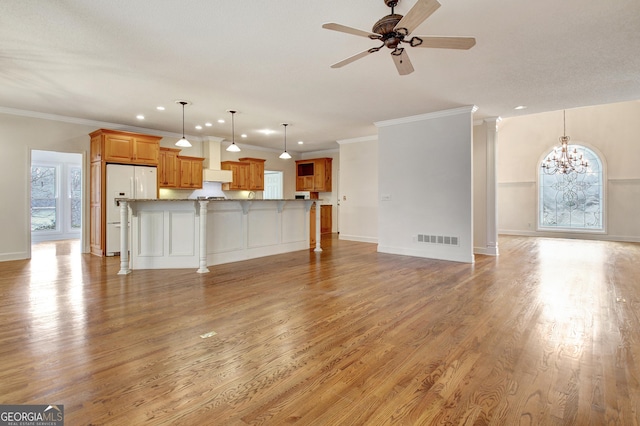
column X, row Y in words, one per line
column 211, row 153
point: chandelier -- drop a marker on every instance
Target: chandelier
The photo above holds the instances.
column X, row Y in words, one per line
column 562, row 160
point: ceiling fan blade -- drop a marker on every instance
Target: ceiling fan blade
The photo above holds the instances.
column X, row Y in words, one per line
column 351, row 59
column 403, row 64
column 349, row 30
column 446, row 42
column 417, row 15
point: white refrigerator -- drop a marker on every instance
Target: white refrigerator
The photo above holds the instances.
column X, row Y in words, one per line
column 140, row 182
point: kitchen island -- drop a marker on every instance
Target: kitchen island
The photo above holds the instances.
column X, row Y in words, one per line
column 189, row 233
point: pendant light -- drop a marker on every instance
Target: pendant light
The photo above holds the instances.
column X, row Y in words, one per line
column 285, row 155
column 233, row 147
column 183, row 143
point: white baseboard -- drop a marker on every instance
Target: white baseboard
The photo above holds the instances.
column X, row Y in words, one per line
column 4, row 257
column 489, row 251
column 570, row 235
column 454, row 257
column 342, row 236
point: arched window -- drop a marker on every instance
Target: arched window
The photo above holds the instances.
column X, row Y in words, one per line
column 573, row 201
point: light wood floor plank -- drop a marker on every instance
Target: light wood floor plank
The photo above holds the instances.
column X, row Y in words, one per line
column 547, row 333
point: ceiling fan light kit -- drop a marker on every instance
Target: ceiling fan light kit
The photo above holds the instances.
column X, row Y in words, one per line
column 393, row 30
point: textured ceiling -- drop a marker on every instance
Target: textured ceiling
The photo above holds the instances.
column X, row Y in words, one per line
column 109, row 60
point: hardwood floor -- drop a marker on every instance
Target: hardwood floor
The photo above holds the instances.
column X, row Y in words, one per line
column 547, row 334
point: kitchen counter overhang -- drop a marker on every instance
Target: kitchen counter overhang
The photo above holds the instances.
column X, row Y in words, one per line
column 188, row 233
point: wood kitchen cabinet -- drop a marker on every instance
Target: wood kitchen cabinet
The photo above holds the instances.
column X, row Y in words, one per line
column 240, row 171
column 125, row 147
column 314, row 175
column 113, row 146
column 168, row 167
column 326, row 218
column 256, row 173
column 312, row 225
column 325, row 221
column 96, row 227
column 190, row 172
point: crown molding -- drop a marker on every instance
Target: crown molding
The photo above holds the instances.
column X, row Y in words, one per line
column 93, row 123
column 372, row 138
column 470, row 109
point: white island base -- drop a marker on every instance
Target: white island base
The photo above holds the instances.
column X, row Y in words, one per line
column 169, row 234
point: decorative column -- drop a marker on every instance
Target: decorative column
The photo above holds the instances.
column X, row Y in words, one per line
column 318, row 233
column 492, row 186
column 203, row 237
column 124, row 238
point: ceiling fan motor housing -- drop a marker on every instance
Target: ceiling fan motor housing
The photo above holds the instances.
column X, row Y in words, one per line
column 385, row 27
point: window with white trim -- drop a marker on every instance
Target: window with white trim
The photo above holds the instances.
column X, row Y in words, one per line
column 572, row 201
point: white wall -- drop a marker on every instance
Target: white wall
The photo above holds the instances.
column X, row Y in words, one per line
column 358, row 192
column 480, row 187
column 612, row 130
column 18, row 136
column 425, row 184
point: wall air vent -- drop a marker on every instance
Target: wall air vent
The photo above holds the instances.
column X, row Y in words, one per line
column 438, row 239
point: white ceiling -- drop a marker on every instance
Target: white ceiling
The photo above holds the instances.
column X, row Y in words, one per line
column 110, row 60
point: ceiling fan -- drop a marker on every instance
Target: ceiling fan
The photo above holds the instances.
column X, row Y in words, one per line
column 393, row 30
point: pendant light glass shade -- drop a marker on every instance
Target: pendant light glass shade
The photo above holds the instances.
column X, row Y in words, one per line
column 233, row 147
column 285, row 155
column 183, row 143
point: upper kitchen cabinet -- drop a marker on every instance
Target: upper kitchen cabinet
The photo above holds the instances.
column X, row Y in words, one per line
column 190, row 171
column 314, row 175
column 168, row 167
column 124, row 147
column 240, row 175
column 256, row 173
column 113, row 146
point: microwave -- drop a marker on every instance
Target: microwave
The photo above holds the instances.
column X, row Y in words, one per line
column 302, row 195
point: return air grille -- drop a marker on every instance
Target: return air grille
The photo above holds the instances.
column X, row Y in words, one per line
column 438, row 239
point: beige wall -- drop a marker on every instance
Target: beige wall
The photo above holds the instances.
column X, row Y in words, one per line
column 18, row 136
column 611, row 130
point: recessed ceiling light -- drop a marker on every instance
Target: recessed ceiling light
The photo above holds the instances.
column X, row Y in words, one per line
column 300, row 143
column 140, row 117
column 266, row 131
column 244, row 135
column 198, row 127
column 160, row 108
column 208, row 124
column 221, row 121
column 521, row 107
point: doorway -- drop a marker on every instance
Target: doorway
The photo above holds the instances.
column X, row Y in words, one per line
column 56, row 196
column 273, row 185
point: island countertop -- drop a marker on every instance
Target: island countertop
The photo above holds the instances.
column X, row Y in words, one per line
column 197, row 233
